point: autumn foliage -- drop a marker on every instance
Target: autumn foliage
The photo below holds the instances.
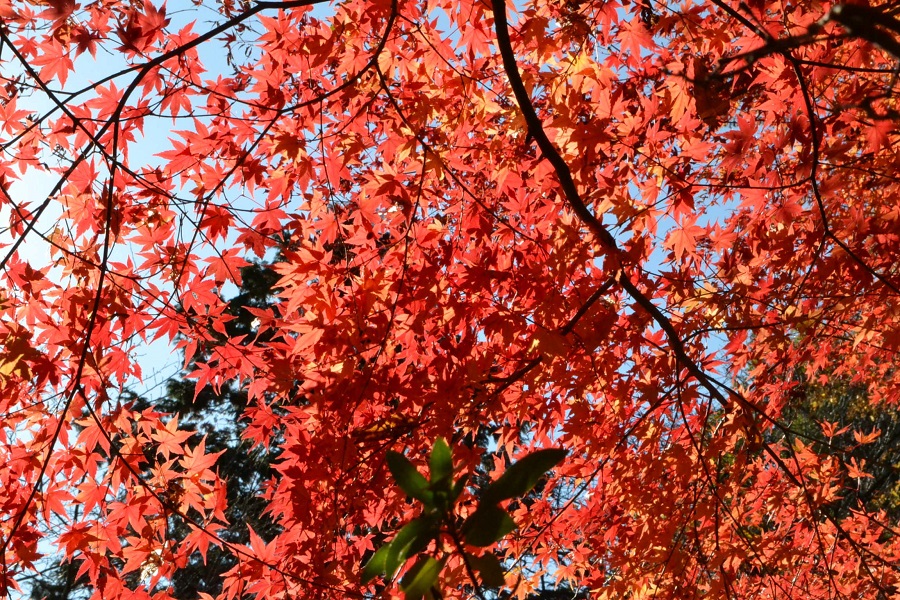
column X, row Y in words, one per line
column 634, row 230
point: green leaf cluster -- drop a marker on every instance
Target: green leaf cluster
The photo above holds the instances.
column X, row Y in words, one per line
column 484, row 527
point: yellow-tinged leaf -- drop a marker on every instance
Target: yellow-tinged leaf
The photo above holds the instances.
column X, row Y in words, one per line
column 15, row 366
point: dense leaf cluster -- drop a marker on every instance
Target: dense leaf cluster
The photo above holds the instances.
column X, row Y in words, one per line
column 661, row 236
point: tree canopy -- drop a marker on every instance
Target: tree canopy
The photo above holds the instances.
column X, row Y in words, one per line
column 642, row 235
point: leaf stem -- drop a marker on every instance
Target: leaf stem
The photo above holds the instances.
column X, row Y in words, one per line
column 457, row 542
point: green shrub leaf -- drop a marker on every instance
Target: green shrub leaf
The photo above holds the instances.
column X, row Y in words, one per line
column 408, row 478
column 523, row 475
column 489, row 568
column 487, row 525
column 412, row 539
column 441, row 466
column 419, row 580
column 376, row 565
column 459, row 487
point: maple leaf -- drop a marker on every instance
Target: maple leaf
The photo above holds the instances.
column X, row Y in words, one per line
column 866, row 438
column 170, row 439
column 198, row 462
column 856, row 470
column 55, row 62
column 683, row 240
column 266, row 553
column 879, row 134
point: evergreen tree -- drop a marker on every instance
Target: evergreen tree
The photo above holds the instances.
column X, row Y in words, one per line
column 847, row 409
